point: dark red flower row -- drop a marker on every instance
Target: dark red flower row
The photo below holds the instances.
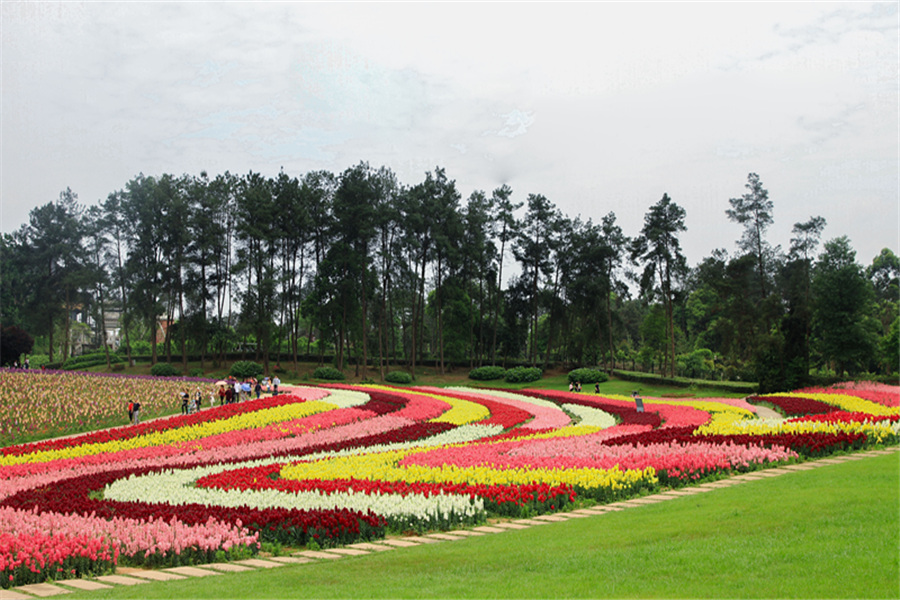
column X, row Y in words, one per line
column 793, row 406
column 328, row 527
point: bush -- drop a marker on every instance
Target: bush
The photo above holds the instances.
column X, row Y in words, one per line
column 523, row 374
column 328, row 373
column 398, row 377
column 487, row 373
column 163, row 370
column 245, row 369
column 588, row 376
column 195, row 373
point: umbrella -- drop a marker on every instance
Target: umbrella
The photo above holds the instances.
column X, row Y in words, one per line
column 220, row 382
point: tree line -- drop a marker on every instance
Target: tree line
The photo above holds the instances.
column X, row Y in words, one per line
column 372, row 272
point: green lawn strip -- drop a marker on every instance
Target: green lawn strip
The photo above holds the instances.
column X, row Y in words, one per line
column 831, row 532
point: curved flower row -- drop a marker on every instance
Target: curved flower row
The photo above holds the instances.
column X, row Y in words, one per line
column 344, row 463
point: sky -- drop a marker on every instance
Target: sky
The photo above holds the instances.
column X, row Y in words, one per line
column 599, row 106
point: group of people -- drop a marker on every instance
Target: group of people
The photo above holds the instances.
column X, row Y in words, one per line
column 21, row 365
column 230, row 391
column 236, row 391
column 576, row 387
column 190, row 403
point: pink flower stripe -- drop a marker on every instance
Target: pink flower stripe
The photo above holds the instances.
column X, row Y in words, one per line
column 846, row 417
column 589, row 451
column 130, row 537
column 505, row 413
column 545, row 417
column 624, row 410
column 418, row 407
column 886, row 395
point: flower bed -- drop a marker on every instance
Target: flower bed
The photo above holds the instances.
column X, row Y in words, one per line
column 339, row 464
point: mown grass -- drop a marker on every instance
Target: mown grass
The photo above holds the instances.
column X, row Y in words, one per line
column 831, row 532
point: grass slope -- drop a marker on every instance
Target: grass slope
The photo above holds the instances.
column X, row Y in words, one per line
column 832, row 532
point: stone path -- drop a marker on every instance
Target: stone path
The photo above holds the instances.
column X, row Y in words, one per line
column 126, row 576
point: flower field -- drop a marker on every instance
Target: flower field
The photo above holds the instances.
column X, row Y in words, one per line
column 340, row 464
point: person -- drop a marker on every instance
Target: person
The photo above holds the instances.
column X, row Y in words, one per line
column 237, row 391
column 229, row 394
column 221, row 395
column 27, row 364
column 130, row 412
column 275, row 383
column 198, row 399
column 258, row 389
column 571, row 387
column 137, row 413
column 245, row 390
column 184, row 402
column 212, row 398
column 596, row 388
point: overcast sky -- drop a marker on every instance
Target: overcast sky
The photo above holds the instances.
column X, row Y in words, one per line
column 598, row 106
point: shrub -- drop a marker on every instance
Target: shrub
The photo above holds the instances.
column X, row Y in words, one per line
column 195, row 373
column 328, row 373
column 588, row 376
column 487, row 373
column 398, row 377
column 244, row 369
column 163, row 370
column 523, row 374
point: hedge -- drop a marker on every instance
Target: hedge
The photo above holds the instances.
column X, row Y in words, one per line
column 738, row 387
column 487, row 373
column 588, row 376
column 523, row 374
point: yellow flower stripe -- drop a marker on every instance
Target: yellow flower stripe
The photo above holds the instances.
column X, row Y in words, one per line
column 249, row 420
column 460, row 413
column 845, row 402
column 877, row 432
column 384, row 467
column 719, row 413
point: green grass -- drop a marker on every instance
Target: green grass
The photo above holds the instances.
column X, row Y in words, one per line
column 832, row 532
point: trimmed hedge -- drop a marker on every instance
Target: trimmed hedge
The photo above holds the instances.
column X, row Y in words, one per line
column 398, row 377
column 737, row 387
column 523, row 374
column 245, row 369
column 588, row 376
column 328, row 373
column 163, row 370
column 487, row 373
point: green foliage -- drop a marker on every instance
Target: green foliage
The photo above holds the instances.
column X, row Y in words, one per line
column 93, row 359
column 487, row 373
column 398, row 377
column 328, row 374
column 523, row 374
column 195, row 373
column 163, row 370
column 14, row 342
column 244, row 369
column 739, row 387
column 588, row 376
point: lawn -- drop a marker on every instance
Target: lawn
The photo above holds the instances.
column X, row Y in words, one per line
column 829, row 532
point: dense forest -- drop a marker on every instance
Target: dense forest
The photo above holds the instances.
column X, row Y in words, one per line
column 365, row 271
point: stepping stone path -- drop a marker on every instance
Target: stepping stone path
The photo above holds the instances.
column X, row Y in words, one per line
column 131, row 576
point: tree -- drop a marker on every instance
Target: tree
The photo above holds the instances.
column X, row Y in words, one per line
column 842, row 301
column 505, row 229
column 659, row 249
column 533, row 247
column 14, row 342
column 53, row 236
column 753, row 210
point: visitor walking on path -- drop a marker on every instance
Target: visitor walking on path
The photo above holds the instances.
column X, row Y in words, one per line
column 137, row 413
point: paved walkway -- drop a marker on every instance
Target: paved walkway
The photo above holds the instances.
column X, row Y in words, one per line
column 126, row 576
